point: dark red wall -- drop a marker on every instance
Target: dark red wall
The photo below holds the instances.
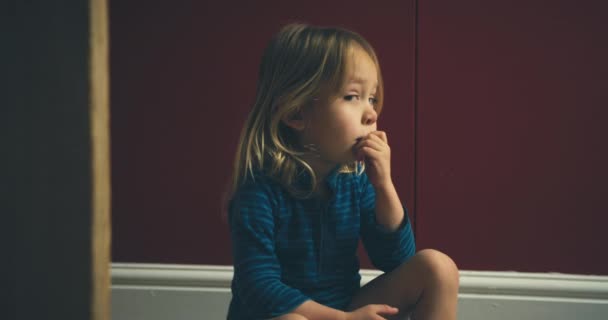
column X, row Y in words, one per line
column 512, row 154
column 183, row 77
column 501, row 129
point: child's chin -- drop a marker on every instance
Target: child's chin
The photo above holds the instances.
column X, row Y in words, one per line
column 351, row 158
column 347, row 158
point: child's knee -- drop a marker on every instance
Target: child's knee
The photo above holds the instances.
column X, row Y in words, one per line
column 439, row 266
column 290, row 316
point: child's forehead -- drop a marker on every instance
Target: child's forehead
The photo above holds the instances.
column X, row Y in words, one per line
column 360, row 68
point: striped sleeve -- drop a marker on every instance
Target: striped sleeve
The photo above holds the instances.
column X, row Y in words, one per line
column 386, row 249
column 256, row 268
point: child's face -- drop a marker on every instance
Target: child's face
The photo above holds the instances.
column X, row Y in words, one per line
column 336, row 124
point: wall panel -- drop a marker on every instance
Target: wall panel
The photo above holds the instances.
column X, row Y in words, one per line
column 511, row 134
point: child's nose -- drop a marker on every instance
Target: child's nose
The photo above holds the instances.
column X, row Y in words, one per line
column 370, row 117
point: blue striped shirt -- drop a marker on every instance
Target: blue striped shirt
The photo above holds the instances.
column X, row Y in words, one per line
column 288, row 250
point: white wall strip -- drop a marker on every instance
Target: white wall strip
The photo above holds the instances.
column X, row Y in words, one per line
column 471, row 282
column 171, row 275
column 145, row 291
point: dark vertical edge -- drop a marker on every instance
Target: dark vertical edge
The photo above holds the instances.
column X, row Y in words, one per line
column 415, row 78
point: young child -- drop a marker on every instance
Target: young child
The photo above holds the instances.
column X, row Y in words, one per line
column 311, row 177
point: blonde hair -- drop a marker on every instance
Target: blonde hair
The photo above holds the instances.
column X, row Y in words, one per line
column 300, row 63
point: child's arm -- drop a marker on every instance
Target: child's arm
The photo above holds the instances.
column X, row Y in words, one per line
column 376, row 151
column 385, row 228
column 389, row 210
column 387, row 248
column 257, row 282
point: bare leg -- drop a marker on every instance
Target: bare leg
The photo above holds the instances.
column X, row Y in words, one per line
column 425, row 286
column 290, row 316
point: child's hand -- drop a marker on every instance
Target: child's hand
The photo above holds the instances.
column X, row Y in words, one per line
column 372, row 312
column 374, row 149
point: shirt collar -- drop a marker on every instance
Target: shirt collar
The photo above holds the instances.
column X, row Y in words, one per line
column 304, row 178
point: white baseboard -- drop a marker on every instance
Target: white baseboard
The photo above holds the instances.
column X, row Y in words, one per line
column 163, row 291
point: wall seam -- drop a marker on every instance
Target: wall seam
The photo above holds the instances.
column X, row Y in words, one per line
column 415, row 81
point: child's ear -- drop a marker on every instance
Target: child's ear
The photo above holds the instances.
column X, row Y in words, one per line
column 294, row 120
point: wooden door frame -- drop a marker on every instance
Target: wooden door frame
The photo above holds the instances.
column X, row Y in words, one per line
column 100, row 158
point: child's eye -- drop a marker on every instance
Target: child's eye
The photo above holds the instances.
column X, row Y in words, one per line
column 373, row 101
column 350, row 97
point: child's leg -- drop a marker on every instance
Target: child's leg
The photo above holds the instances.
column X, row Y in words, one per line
column 290, row 316
column 426, row 286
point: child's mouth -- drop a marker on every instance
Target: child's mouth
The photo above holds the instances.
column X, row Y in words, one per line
column 355, row 150
column 357, row 141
